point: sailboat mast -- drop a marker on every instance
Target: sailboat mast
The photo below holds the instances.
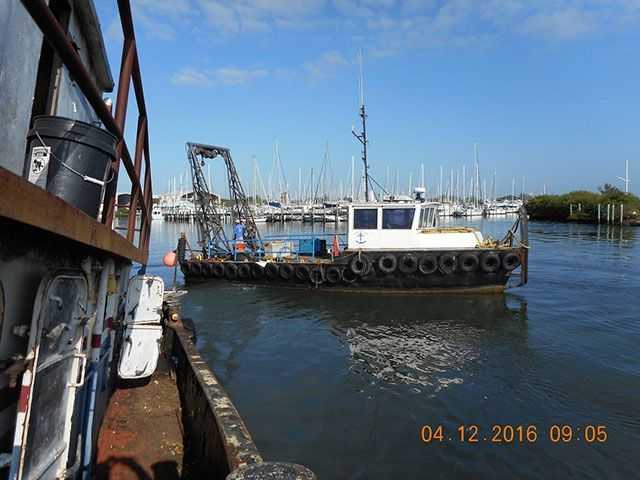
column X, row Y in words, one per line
column 362, row 136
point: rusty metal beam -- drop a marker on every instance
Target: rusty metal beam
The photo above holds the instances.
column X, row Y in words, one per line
column 26, row 203
column 124, row 82
column 137, row 165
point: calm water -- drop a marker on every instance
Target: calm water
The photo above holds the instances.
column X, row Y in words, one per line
column 343, row 383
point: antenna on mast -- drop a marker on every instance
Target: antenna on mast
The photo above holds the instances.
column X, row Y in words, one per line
column 362, row 136
column 626, row 176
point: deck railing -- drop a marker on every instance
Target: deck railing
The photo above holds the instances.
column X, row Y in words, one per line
column 141, row 193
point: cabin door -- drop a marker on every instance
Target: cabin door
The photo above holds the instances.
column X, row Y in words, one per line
column 59, row 319
column 143, row 327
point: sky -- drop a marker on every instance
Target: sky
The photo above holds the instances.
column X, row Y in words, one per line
column 547, row 89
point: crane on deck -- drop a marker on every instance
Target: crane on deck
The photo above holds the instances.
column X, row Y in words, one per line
column 208, row 217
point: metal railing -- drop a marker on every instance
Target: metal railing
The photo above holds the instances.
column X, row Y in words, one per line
column 141, row 196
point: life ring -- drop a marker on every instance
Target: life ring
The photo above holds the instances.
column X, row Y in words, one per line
column 447, row 263
column 316, row 275
column 408, row 263
column 510, row 261
column 469, row 262
column 196, row 269
column 302, row 273
column 428, row 264
column 286, row 271
column 490, row 262
column 333, row 275
column 257, row 272
column 387, row 263
column 359, row 264
column 244, row 271
column 271, row 270
column 348, row 276
column 230, row 271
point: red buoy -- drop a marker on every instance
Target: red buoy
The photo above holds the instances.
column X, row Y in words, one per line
column 170, row 259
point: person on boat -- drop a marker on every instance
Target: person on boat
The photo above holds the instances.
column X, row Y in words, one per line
column 238, row 230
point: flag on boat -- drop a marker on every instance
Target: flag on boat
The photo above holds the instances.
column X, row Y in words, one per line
column 335, row 248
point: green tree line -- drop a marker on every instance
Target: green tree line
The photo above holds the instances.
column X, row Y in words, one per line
column 582, row 205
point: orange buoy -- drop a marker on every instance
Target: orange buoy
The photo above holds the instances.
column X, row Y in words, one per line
column 170, row 259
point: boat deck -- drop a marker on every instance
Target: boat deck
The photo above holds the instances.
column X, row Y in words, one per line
column 141, row 436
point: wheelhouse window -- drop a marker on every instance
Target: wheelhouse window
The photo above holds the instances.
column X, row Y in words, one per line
column 427, row 217
column 365, row 219
column 397, row 218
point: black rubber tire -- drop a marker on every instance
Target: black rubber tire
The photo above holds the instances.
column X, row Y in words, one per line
column 257, row 272
column 302, row 273
column 448, row 263
column 428, row 264
column 387, row 264
column 469, row 262
column 316, row 275
column 408, row 264
column 490, row 262
column 244, row 271
column 207, row 269
column 333, row 275
column 510, row 261
column 359, row 264
column 348, row 276
column 230, row 271
column 217, row 270
column 196, row 268
column 271, row 271
column 186, row 268
column 286, row 271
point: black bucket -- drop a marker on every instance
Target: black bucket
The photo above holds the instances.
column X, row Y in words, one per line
column 79, row 160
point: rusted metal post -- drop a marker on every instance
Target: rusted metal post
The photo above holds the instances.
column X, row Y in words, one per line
column 124, row 82
column 137, row 165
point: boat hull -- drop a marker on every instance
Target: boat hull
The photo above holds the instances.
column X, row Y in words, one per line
column 451, row 277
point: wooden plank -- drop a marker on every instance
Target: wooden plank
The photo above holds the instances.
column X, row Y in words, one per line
column 26, row 203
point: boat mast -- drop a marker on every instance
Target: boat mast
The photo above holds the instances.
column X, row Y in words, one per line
column 362, row 136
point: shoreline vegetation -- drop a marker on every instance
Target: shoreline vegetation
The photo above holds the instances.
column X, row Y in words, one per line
column 609, row 205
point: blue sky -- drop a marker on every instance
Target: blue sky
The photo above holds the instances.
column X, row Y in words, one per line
column 548, row 89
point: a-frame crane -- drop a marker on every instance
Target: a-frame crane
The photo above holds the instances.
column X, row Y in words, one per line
column 210, row 222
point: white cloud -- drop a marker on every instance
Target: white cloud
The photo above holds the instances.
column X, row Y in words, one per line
column 233, row 76
column 237, row 76
column 326, row 66
column 564, row 24
column 234, row 16
column 190, row 77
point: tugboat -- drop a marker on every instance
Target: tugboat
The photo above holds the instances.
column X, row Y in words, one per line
column 392, row 245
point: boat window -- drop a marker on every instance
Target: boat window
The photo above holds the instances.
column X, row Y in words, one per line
column 427, row 217
column 365, row 218
column 397, row 218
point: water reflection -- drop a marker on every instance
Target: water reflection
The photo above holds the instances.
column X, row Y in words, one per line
column 415, row 340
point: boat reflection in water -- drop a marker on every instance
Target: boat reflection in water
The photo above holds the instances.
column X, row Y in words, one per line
column 425, row 341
